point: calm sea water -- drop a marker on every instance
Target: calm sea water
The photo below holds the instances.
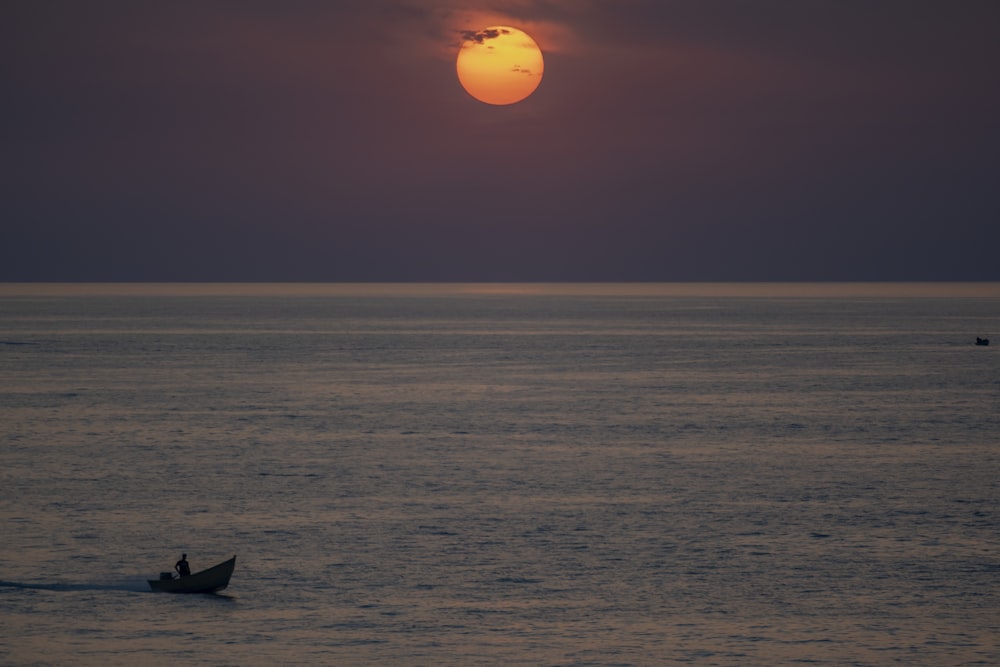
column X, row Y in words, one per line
column 501, row 475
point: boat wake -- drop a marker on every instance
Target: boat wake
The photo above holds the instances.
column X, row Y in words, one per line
column 137, row 585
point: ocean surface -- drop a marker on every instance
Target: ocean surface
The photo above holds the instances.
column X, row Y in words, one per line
column 501, row 474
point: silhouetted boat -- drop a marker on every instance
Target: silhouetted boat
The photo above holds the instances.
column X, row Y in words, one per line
column 982, row 341
column 207, row 581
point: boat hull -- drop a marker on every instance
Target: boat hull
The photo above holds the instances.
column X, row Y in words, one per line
column 212, row 580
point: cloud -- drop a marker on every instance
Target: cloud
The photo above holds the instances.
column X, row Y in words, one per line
column 480, row 36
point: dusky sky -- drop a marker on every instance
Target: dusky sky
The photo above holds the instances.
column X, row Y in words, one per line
column 309, row 140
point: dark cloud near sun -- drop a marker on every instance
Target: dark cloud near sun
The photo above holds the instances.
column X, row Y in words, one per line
column 480, row 36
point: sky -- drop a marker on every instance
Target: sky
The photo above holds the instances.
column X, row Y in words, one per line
column 330, row 141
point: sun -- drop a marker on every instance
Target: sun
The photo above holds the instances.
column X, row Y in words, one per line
column 499, row 65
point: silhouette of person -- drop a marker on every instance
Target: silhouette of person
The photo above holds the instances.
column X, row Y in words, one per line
column 182, row 566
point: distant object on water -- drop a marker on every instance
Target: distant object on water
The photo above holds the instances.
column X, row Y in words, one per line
column 982, row 341
column 212, row 580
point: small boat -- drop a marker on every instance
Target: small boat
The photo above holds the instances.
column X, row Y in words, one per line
column 207, row 581
column 982, row 341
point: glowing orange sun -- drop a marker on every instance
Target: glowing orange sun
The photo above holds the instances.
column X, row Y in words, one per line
column 499, row 65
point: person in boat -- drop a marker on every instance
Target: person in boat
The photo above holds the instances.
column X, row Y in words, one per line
column 182, row 567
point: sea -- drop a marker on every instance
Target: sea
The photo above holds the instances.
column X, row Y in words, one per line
column 501, row 474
